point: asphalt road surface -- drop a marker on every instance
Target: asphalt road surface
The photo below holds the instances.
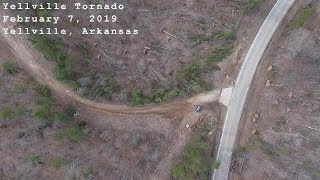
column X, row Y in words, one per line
column 242, row 86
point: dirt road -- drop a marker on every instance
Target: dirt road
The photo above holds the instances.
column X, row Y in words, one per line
column 242, row 86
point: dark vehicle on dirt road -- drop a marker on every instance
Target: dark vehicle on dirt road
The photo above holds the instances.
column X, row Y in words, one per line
column 198, row 109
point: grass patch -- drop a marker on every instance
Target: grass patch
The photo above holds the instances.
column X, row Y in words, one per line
column 36, row 160
column 59, row 136
column 284, row 151
column 7, row 113
column 44, row 13
column 20, row 88
column 196, row 163
column 224, row 35
column 302, row 17
column 10, row 68
column 215, row 165
column 251, row 5
column 271, row 75
column 74, row 134
column 241, row 151
column 58, row 163
column 258, row 143
column 21, row 110
column 88, row 172
column 137, row 143
column 61, row 117
column 84, row 49
column 281, row 121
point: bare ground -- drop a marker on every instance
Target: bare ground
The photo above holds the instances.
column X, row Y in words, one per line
column 165, row 132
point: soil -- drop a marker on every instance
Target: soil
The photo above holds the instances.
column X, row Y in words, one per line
column 285, row 143
column 116, row 146
column 113, row 129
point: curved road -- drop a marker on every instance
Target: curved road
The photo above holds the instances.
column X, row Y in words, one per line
column 242, row 86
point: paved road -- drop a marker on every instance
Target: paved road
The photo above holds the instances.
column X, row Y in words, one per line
column 242, row 86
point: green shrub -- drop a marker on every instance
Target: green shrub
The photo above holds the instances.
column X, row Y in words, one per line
column 53, row 50
column 162, row 95
column 36, row 160
column 44, row 91
column 7, row 113
column 303, row 17
column 250, row 5
column 70, row 111
column 104, row 89
column 62, row 70
column 191, row 72
column 58, row 163
column 136, row 97
column 10, row 68
column 44, row 103
column 172, row 94
column 159, row 95
column 43, row 13
column 43, row 108
column 191, row 77
column 74, row 134
column 219, row 53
